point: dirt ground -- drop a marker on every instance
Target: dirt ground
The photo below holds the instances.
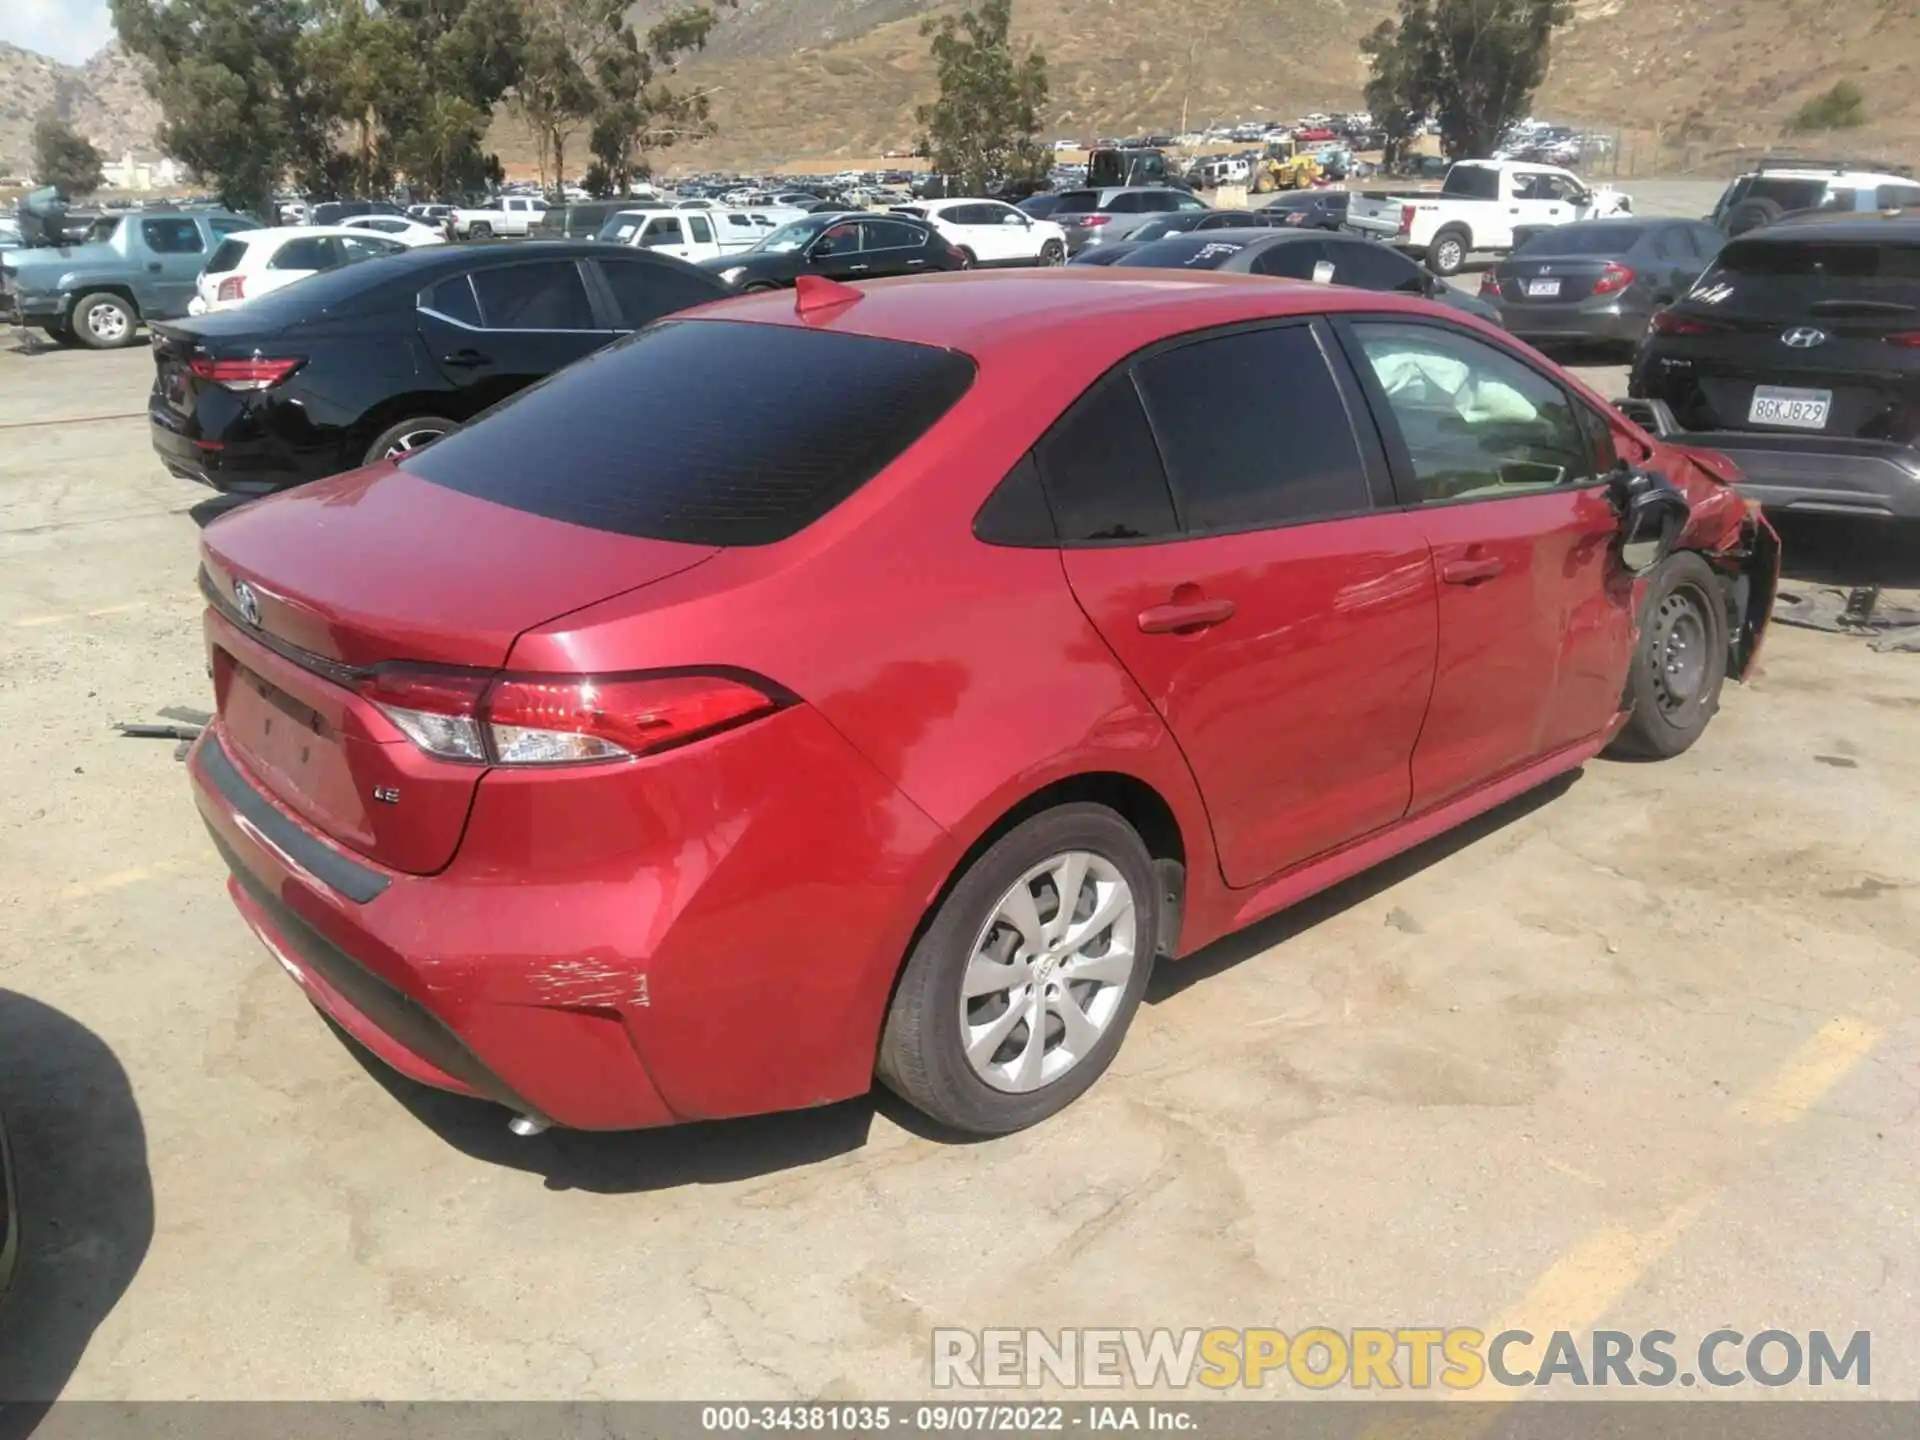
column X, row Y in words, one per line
column 1638, row 1051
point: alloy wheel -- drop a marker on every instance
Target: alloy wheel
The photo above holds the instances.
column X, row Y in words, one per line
column 1048, row 971
column 408, row 442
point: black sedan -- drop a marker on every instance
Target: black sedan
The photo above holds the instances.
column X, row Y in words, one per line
column 1311, row 209
column 1598, row 280
column 850, row 245
column 1184, row 223
column 1288, row 254
column 369, row 361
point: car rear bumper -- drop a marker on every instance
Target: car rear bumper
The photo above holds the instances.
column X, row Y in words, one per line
column 230, row 461
column 585, row 961
column 1592, row 319
column 1819, row 473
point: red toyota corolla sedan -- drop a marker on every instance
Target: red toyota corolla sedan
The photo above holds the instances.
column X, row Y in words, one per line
column 875, row 682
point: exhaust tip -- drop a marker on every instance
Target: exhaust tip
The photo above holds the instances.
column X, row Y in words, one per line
column 527, row 1126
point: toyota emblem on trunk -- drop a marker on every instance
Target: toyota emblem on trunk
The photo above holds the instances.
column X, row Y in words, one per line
column 1804, row 337
column 247, row 602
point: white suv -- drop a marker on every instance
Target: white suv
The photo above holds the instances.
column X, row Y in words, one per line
column 252, row 263
column 991, row 234
column 1789, row 186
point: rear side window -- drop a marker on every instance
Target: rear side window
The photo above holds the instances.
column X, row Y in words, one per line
column 1254, row 431
column 1078, row 202
column 543, row 295
column 454, row 299
column 1101, row 469
column 226, row 257
column 753, row 431
column 315, row 253
column 171, row 237
column 646, row 292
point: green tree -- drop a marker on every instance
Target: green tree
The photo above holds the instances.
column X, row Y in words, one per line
column 635, row 109
column 1471, row 64
column 983, row 128
column 236, row 104
column 63, row 158
column 1843, row 107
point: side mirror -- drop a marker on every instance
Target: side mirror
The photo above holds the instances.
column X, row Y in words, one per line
column 1652, row 511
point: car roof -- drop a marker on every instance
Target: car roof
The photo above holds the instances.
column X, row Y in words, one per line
column 999, row 315
column 274, row 234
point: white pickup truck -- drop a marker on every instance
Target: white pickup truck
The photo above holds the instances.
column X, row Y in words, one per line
column 508, row 215
column 1480, row 205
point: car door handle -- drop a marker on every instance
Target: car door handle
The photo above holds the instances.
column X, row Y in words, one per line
column 1185, row 616
column 857, row 269
column 466, row 359
column 1472, row 572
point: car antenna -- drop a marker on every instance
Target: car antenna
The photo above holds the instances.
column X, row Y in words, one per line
column 816, row 292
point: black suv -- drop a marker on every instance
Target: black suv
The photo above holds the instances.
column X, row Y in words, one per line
column 1797, row 354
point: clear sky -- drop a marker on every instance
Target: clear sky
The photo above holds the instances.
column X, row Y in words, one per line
column 69, row 30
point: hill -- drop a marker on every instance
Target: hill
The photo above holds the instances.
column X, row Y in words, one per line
column 103, row 99
column 1679, row 78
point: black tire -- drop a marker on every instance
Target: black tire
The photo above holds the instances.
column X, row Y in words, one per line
column 921, row 1055
column 103, row 321
column 1679, row 664
column 418, row 432
column 968, row 260
column 758, row 287
column 1752, row 214
column 480, row 230
column 1448, row 254
column 1053, row 253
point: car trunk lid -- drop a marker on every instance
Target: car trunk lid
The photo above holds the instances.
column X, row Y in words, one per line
column 316, row 589
column 1563, row 280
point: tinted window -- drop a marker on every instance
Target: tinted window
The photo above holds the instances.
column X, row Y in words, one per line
column 1472, row 182
column 646, row 292
column 841, row 238
column 1078, row 202
column 891, row 235
column 1101, row 469
column 1707, row 242
column 1131, row 202
column 663, row 230
column 171, row 237
column 1294, row 260
column 1183, row 202
column 1826, row 261
column 226, row 257
column 1220, row 407
column 314, row 253
column 1584, row 240
column 542, row 295
column 753, row 431
column 1184, row 252
column 1367, row 266
column 365, row 247
column 1478, row 424
column 1896, row 197
column 699, row 229
column 454, row 299
column 1670, row 243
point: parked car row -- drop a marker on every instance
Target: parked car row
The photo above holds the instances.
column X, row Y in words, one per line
column 880, row 680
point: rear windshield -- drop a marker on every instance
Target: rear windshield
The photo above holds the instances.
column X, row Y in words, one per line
column 704, row 432
column 1472, row 182
column 226, row 257
column 1184, row 252
column 1829, row 260
column 1583, row 240
column 1787, row 193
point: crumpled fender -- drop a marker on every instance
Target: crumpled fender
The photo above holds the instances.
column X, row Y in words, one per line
column 1729, row 531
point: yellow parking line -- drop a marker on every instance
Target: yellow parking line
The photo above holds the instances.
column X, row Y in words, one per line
column 120, row 879
column 1577, row 1290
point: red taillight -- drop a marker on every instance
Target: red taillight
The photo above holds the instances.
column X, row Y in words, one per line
column 1407, row 213
column 1489, row 284
column 1665, row 322
column 244, row 374
column 1905, row 339
column 1615, row 278
column 1092, row 220
column 558, row 719
column 234, row 287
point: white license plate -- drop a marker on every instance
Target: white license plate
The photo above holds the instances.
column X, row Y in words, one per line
column 1542, row 289
column 1797, row 409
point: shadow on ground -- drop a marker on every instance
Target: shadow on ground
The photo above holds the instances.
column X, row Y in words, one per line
column 718, row 1152
column 1840, row 550
column 86, row 1200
